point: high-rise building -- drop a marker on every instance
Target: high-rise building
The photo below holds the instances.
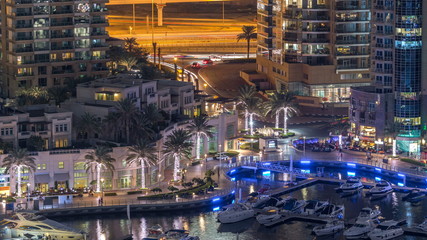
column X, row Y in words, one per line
column 48, row 43
column 315, row 47
column 397, row 73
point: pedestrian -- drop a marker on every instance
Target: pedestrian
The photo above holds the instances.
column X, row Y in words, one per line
column 99, row 201
column 102, row 201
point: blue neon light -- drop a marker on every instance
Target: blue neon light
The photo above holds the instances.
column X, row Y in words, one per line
column 305, row 170
column 233, row 192
column 400, row 184
column 351, row 174
column 378, row 169
column 233, row 179
column 267, row 163
column 305, row 162
column 215, row 209
column 377, row 179
column 400, row 175
column 266, row 173
column 216, row 199
column 232, row 202
column 351, row 164
column 232, row 171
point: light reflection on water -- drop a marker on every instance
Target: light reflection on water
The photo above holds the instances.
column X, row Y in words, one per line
column 205, row 225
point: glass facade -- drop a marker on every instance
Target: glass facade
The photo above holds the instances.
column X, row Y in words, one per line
column 408, row 50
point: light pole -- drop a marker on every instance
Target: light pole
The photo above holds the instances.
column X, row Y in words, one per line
column 220, row 156
column 304, row 146
column 102, row 191
column 223, row 13
column 175, row 68
column 28, row 192
column 158, row 179
column 206, row 162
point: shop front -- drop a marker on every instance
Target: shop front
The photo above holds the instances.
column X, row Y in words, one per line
column 41, row 182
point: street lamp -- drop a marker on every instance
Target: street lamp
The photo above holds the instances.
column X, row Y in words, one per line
column 158, row 179
column 175, row 67
column 28, row 192
column 206, row 162
column 220, row 156
column 304, row 146
column 102, row 190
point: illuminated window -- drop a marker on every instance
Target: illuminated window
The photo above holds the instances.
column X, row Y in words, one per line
column 61, row 165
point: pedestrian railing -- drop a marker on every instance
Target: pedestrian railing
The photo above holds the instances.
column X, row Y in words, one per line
column 84, row 202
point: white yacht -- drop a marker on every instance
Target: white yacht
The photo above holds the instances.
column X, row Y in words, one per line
column 25, row 225
column 414, row 196
column 385, row 232
column 314, row 207
column 381, row 189
column 423, row 226
column 359, row 230
column 269, row 217
column 332, row 211
column 353, row 184
column 368, row 214
column 292, row 205
column 265, row 202
column 236, row 213
column 331, row 227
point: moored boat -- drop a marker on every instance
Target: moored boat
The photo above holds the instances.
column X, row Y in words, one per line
column 331, row 227
column 236, row 213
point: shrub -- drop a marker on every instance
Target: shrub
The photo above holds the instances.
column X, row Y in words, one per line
column 412, row 161
column 195, row 163
column 134, row 192
column 232, row 153
column 157, row 189
column 250, row 146
column 110, row 194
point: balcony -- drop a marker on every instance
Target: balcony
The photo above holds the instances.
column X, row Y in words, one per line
column 63, row 12
column 61, row 23
column 23, row 38
column 62, row 71
column 28, row 25
column 99, row 33
column 99, row 45
column 316, row 29
column 99, row 21
column 69, row 35
column 315, row 40
column 22, row 1
column 61, row 47
column 22, row 14
column 98, row 69
column 41, row 48
column 24, row 74
column 352, row 41
column 22, row 50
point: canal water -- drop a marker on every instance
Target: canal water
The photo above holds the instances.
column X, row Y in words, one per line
column 204, row 224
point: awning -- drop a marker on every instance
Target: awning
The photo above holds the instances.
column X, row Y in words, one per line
column 42, row 178
column 61, row 177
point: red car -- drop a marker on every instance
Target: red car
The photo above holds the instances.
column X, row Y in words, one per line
column 195, row 65
column 207, row 61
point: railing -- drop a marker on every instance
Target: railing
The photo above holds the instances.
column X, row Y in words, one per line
column 124, row 202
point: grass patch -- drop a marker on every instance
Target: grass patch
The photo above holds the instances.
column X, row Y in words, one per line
column 250, row 146
column 232, row 153
column 181, row 193
column 412, row 161
column 110, row 194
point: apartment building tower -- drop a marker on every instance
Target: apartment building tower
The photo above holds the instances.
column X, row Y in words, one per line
column 48, row 43
column 315, row 47
column 397, row 72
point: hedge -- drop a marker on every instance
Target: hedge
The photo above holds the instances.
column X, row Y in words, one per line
column 195, row 163
column 134, row 192
column 231, row 153
column 110, row 194
column 186, row 192
column 412, row 161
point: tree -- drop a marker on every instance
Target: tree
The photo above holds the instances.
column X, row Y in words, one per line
column 31, row 96
column 248, row 34
column 283, row 101
column 35, row 143
column 59, row 94
column 253, row 107
column 246, row 92
column 130, row 44
column 128, row 60
column 16, row 162
column 126, row 115
column 98, row 160
column 132, row 47
column 142, row 127
column 208, row 176
column 87, row 125
column 154, row 116
column 172, row 188
column 143, row 154
column 115, row 53
column 200, row 127
column 178, row 146
column 339, row 127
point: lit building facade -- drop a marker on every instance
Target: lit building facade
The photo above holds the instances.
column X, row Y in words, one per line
column 49, row 43
column 397, row 72
column 315, row 47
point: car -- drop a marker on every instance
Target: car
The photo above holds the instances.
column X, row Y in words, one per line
column 195, row 65
column 215, row 58
column 207, row 61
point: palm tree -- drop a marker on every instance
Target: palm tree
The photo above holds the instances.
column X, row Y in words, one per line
column 142, row 153
column 142, row 127
column 128, row 60
column 253, row 107
column 126, row 115
column 178, row 146
column 88, row 124
column 200, row 127
column 283, row 101
column 111, row 121
column 130, row 44
column 246, row 92
column 16, row 161
column 59, row 94
column 248, row 34
column 98, row 160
